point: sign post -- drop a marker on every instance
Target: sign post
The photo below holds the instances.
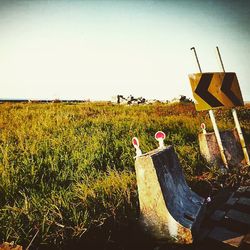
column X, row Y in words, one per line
column 236, row 121
column 211, row 113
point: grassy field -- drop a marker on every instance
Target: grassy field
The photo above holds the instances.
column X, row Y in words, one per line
column 67, row 169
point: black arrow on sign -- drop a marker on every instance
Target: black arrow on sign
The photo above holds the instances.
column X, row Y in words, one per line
column 202, row 90
column 226, row 89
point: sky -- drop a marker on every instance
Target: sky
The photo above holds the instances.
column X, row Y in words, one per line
column 99, row 49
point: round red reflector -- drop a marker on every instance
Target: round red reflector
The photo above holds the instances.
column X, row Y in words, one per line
column 135, row 141
column 203, row 126
column 160, row 135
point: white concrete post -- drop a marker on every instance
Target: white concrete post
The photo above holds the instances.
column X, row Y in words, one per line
column 242, row 141
column 217, row 135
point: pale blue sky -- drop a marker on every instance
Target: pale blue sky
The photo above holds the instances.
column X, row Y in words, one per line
column 97, row 49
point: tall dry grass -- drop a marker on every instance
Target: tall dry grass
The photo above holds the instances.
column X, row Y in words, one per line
column 67, row 168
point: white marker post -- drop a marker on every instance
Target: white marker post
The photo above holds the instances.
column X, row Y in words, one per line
column 217, row 135
column 160, row 137
column 203, row 127
column 242, row 140
column 216, row 130
column 236, row 120
column 136, row 144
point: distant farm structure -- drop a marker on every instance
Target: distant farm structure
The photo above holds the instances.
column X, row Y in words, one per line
column 118, row 99
column 182, row 99
column 41, row 101
column 130, row 100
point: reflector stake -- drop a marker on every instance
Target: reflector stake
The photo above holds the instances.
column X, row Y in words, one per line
column 160, row 136
column 203, row 127
column 136, row 145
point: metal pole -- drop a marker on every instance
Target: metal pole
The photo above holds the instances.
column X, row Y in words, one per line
column 236, row 121
column 215, row 127
column 221, row 63
column 193, row 48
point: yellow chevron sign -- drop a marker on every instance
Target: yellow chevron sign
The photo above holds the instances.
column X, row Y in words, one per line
column 214, row 90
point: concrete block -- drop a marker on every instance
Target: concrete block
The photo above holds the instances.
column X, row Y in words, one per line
column 246, row 242
column 225, row 236
column 218, row 215
column 169, row 209
column 243, row 192
column 244, row 202
column 240, row 217
column 231, row 201
column 210, row 150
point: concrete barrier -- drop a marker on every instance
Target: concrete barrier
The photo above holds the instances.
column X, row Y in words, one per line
column 231, row 143
column 169, row 210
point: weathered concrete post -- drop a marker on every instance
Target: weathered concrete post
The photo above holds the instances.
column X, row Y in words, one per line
column 169, row 209
column 231, row 143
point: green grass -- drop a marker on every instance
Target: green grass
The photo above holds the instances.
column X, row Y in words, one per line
column 68, row 168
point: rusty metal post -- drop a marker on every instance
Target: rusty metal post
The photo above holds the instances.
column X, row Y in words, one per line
column 215, row 127
column 236, row 121
column 221, row 63
column 197, row 60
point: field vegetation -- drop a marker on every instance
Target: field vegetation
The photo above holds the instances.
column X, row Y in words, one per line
column 68, row 169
